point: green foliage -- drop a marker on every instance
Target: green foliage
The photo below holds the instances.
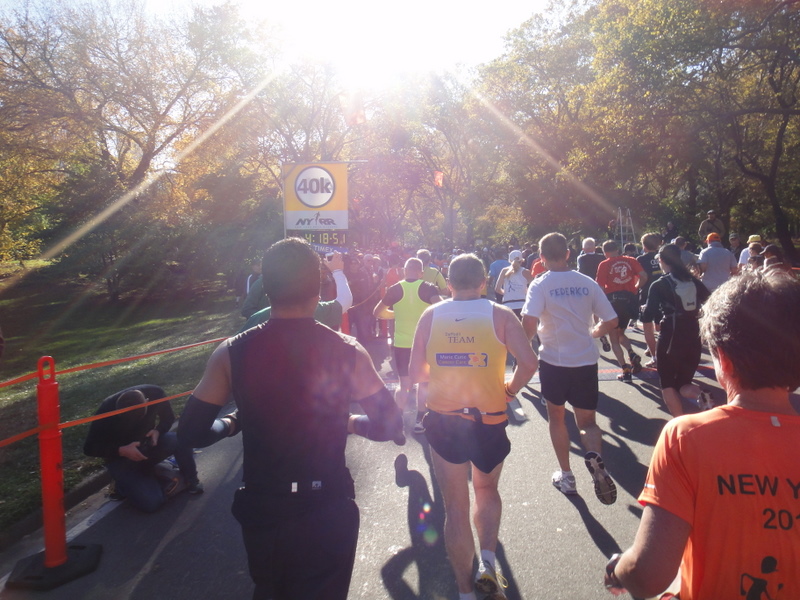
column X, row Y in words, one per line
column 664, row 107
column 71, row 323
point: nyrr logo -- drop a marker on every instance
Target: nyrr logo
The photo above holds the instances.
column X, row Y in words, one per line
column 314, row 187
column 316, row 220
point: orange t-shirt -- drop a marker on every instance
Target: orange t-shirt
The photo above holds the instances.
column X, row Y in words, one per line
column 734, row 475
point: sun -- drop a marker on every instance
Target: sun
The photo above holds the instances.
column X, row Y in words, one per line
column 372, row 45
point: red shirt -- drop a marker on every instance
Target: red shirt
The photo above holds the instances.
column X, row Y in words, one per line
column 619, row 274
column 537, row 268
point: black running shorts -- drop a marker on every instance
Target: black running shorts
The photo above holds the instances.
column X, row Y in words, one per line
column 459, row 440
column 576, row 385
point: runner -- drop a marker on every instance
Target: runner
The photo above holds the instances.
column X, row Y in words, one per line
column 620, row 277
column 677, row 296
column 561, row 305
column 720, row 498
column 405, row 302
column 460, row 348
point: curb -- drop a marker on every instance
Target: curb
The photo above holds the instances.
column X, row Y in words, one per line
column 33, row 522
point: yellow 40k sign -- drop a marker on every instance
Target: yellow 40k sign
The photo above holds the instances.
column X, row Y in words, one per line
column 315, row 196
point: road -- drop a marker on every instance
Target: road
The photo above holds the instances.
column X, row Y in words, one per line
column 552, row 546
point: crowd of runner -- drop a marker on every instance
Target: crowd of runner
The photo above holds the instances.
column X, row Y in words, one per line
column 453, row 319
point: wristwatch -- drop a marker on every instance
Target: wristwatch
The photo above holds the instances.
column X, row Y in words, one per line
column 612, row 576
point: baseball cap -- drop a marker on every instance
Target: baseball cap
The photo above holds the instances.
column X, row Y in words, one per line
column 513, row 255
column 713, row 237
column 733, row 236
column 774, row 250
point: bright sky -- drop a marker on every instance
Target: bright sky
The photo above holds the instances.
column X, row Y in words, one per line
column 372, row 44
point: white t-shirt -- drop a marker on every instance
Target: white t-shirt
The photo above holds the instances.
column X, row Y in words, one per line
column 515, row 285
column 744, row 256
column 564, row 302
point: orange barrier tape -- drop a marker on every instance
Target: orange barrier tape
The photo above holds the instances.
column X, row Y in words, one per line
column 34, row 431
column 19, row 379
column 20, row 436
column 131, row 358
column 118, row 412
column 110, row 362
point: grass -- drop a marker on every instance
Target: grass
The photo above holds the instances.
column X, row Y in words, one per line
column 76, row 325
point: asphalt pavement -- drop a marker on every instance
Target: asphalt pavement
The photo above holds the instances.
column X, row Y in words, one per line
column 551, row 546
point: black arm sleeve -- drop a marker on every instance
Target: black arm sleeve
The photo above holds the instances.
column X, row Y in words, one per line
column 196, row 421
column 383, row 421
column 653, row 306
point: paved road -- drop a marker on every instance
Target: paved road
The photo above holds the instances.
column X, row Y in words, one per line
column 552, row 546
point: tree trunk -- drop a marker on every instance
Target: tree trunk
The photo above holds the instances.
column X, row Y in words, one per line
column 781, row 224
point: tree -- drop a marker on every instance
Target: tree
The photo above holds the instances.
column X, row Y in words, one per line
column 123, row 87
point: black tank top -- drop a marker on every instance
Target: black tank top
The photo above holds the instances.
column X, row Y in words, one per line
column 291, row 382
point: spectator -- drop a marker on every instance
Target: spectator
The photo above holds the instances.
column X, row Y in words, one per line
column 328, row 312
column 722, row 488
column 133, row 443
column 736, row 245
column 255, row 300
column 670, row 231
column 773, row 258
column 712, row 224
column 745, row 253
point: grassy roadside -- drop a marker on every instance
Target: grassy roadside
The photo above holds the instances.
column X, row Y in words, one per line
column 76, row 325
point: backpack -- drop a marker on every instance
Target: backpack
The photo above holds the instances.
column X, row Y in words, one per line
column 686, row 295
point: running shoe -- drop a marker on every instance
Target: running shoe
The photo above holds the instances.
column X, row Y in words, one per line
column 625, row 376
column 651, row 364
column 565, row 483
column 636, row 363
column 606, row 345
column 604, row 487
column 487, row 581
column 705, row 401
column 419, row 428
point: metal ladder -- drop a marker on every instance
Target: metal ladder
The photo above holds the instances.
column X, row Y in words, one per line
column 625, row 232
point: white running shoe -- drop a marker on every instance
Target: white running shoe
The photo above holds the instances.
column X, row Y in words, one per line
column 565, row 483
column 705, row 401
column 487, row 581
